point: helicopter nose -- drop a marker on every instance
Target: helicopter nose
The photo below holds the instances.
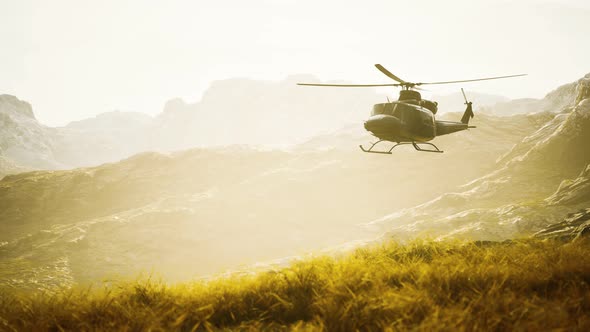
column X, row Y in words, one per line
column 382, row 124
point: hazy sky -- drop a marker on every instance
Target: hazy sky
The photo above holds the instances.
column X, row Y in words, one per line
column 73, row 59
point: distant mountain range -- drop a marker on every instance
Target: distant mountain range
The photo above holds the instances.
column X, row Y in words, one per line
column 231, row 112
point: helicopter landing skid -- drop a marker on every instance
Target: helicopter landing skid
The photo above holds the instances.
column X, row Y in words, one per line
column 416, row 146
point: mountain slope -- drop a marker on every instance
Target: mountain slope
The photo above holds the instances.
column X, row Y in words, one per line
column 203, row 211
column 512, row 200
column 573, row 191
column 563, row 97
column 244, row 111
column 108, row 137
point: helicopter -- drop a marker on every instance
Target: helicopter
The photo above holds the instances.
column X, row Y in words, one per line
column 410, row 119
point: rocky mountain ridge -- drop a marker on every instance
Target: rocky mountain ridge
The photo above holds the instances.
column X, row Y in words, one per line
column 562, row 98
column 524, row 195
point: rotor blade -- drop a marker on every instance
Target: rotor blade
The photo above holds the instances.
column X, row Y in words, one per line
column 464, row 96
column 473, row 80
column 348, row 85
column 389, row 74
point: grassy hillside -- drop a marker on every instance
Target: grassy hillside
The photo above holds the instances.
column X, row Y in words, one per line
column 525, row 285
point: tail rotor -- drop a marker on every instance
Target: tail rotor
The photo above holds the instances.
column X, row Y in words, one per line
column 468, row 111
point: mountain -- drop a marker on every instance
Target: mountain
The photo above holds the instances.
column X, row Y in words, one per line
column 107, row 137
column 525, row 194
column 7, row 166
column 24, row 142
column 202, row 211
column 232, row 111
column 251, row 112
column 564, row 97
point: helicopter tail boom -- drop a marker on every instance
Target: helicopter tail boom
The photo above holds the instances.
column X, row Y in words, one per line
column 449, row 127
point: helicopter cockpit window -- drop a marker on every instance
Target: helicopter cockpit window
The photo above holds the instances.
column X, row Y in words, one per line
column 385, row 108
column 396, row 109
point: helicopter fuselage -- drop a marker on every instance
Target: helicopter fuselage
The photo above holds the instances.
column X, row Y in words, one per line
column 401, row 122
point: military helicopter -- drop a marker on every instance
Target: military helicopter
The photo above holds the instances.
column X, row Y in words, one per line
column 410, row 119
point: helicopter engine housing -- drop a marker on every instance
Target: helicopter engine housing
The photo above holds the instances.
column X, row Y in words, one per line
column 430, row 105
column 409, row 95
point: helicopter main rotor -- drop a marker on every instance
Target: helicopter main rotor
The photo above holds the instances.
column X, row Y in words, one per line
column 405, row 84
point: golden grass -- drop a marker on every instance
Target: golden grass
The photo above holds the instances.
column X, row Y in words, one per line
column 523, row 285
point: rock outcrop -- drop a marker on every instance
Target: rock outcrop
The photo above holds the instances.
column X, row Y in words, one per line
column 572, row 191
column 24, row 142
column 575, row 225
column 583, row 89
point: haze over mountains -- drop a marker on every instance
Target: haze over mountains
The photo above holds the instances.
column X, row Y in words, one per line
column 201, row 211
column 231, row 112
column 235, row 111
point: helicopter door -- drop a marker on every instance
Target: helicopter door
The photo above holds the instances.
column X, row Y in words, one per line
column 419, row 124
column 425, row 126
column 407, row 115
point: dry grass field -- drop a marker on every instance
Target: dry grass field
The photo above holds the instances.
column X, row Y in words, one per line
column 423, row 285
